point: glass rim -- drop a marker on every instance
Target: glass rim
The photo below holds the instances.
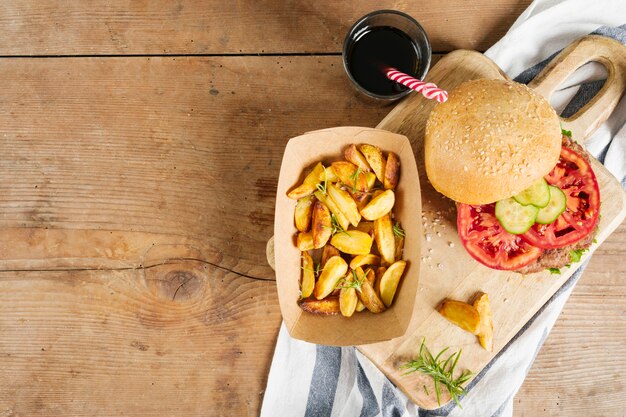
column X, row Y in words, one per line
column 348, row 41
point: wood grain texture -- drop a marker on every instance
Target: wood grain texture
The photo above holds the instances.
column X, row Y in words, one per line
column 105, row 158
column 579, row 370
column 58, row 27
column 104, row 343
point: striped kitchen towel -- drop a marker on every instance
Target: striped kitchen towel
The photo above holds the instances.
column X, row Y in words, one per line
column 318, row 381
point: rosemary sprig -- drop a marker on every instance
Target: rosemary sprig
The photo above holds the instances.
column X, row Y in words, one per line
column 397, row 230
column 335, row 227
column 354, row 177
column 356, row 283
column 320, row 187
column 442, row 371
column 315, row 271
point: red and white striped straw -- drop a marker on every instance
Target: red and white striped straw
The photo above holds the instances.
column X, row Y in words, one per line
column 428, row 90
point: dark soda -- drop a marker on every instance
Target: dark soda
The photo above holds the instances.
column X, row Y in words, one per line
column 375, row 50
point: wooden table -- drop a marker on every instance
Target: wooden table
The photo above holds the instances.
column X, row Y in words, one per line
column 141, row 143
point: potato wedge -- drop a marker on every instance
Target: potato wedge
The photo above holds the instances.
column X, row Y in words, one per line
column 399, row 248
column 462, row 314
column 392, row 171
column 302, row 213
column 379, row 205
column 346, row 172
column 352, row 242
column 333, row 271
column 375, row 159
column 380, row 271
column 308, row 276
column 367, row 295
column 389, row 282
column 334, row 208
column 365, row 226
column 329, row 306
column 353, row 155
column 345, row 203
column 361, row 199
column 370, row 179
column 361, row 260
column 385, row 240
column 370, row 275
column 485, row 332
column 359, row 305
column 348, row 298
column 309, row 185
column 321, row 226
column 328, row 252
column 328, row 175
column 304, row 241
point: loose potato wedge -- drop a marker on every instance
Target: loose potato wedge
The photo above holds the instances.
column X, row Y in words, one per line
column 375, row 159
column 329, row 306
column 333, row 271
column 321, row 226
column 367, row 295
column 379, row 205
column 392, row 171
column 359, row 305
column 462, row 314
column 328, row 252
column 361, row 260
column 304, row 241
column 347, row 297
column 302, row 213
column 309, row 185
column 353, row 155
column 328, row 175
column 485, row 332
column 345, row 203
column 347, row 174
column 352, row 242
column 385, row 240
column 334, row 208
column 308, row 276
column 389, row 282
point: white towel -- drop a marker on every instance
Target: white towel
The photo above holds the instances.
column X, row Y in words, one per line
column 318, row 381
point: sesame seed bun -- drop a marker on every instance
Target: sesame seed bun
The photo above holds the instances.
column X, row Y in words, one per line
column 490, row 140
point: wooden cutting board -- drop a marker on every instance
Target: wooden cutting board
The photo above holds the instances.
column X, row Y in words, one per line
column 447, row 271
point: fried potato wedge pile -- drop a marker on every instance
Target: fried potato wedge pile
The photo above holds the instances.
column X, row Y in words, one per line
column 350, row 240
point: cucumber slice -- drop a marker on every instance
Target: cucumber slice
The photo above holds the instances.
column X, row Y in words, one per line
column 537, row 195
column 514, row 217
column 556, row 206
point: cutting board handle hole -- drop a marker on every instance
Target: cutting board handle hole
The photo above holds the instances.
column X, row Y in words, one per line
column 579, row 88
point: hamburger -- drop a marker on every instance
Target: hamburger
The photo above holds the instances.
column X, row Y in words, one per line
column 527, row 197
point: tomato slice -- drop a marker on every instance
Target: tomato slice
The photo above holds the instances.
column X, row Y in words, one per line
column 487, row 241
column 574, row 176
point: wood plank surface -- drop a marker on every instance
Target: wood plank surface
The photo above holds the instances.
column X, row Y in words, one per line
column 111, row 343
column 84, row 139
column 102, row 27
column 579, row 370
